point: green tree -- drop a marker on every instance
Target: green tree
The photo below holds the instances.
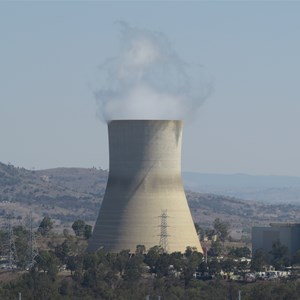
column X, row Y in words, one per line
column 62, row 251
column 72, row 264
column 200, row 231
column 259, row 260
column 134, row 268
column 216, row 249
column 152, row 258
column 37, row 285
column 177, row 261
column 228, row 265
column 162, row 267
column 78, row 227
column 279, row 254
column 82, row 229
column 45, row 226
column 3, row 239
column 90, row 260
column 214, row 267
column 192, row 261
column 122, row 260
column 202, row 268
column 221, row 228
column 87, row 231
column 47, row 262
column 239, row 252
column 21, row 238
column 209, row 232
column 262, row 291
column 242, row 265
column 140, row 249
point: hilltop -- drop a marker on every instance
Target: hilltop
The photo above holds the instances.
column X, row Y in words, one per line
column 63, row 193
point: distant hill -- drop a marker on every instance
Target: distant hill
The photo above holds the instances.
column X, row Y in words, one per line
column 63, row 193
column 269, row 189
column 67, row 194
column 241, row 180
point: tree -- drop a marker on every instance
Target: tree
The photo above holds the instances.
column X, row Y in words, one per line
column 21, row 238
column 36, row 285
column 228, row 265
column 259, row 260
column 47, row 262
column 140, row 249
column 177, row 261
column 45, row 226
column 200, row 231
column 87, row 231
column 279, row 254
column 202, row 268
column 209, row 232
column 162, row 266
column 216, row 249
column 78, row 227
column 122, row 260
column 214, row 267
column 152, row 257
column 62, row 251
column 82, row 229
column 221, row 229
column 71, row 264
column 192, row 261
column 239, row 252
column 134, row 268
column 242, row 265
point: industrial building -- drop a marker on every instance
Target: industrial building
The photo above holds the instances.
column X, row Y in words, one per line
column 144, row 201
column 288, row 234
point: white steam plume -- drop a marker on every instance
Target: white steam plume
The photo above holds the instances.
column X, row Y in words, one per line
column 148, row 80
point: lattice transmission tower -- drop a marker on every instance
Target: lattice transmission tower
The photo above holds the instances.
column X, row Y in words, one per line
column 163, row 240
column 32, row 249
column 9, row 248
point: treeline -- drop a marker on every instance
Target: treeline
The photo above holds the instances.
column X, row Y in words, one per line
column 63, row 270
column 125, row 276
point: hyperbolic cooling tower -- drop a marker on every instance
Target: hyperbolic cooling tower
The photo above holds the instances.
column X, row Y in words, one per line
column 144, row 201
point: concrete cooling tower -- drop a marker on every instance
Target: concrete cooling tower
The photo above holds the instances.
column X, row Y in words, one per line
column 144, row 201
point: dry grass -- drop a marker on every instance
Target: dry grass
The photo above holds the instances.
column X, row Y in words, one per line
column 7, row 276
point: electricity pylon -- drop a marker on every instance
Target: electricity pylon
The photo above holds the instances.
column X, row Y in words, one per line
column 163, row 240
column 32, row 251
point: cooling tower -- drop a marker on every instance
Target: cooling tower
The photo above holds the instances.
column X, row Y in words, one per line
column 144, row 201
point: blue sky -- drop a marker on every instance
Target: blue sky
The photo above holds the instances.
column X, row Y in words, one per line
column 49, row 58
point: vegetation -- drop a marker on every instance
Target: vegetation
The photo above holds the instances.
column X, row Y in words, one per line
column 125, row 276
column 239, row 252
column 45, row 226
column 63, row 270
column 221, row 229
column 82, row 229
column 279, row 254
column 69, row 194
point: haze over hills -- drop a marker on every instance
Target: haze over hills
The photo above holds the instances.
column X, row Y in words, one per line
column 268, row 189
column 68, row 194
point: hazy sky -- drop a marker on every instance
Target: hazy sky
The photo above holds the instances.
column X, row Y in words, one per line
column 50, row 54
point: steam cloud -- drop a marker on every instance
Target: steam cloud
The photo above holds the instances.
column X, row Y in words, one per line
column 148, row 80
